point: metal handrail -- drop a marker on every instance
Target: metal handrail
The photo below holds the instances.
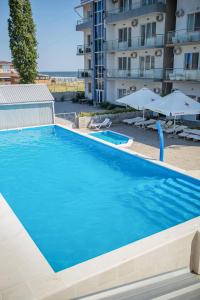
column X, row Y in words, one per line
column 135, row 43
column 84, row 20
column 83, row 49
column 181, row 74
column 84, row 73
column 133, row 7
column 183, row 36
column 156, row 73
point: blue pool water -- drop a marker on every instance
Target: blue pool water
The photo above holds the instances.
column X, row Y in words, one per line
column 111, row 137
column 78, row 198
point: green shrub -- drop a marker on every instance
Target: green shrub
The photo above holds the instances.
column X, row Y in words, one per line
column 114, row 111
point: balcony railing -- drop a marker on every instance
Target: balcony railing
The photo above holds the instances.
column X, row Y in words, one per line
column 136, row 43
column 84, row 23
column 183, row 36
column 182, row 75
column 136, row 9
column 154, row 74
column 134, row 6
column 83, row 49
column 85, row 73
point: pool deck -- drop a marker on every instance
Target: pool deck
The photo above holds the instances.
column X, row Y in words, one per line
column 180, row 153
column 26, row 275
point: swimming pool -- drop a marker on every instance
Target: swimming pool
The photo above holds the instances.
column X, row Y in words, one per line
column 79, row 198
column 111, row 137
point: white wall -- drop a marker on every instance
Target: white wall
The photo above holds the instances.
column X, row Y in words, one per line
column 179, row 59
column 25, row 115
column 112, row 59
column 112, row 30
column 114, row 85
column 189, row 6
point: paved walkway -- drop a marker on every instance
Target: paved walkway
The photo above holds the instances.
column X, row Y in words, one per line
column 68, row 106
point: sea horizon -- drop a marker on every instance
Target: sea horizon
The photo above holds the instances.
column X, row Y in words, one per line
column 66, row 74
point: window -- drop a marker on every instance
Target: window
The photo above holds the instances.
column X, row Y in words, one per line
column 148, row 2
column 193, row 22
column 89, row 87
column 89, row 39
column 6, row 68
column 124, row 63
column 125, row 5
column 147, row 31
column 147, row 62
column 89, row 64
column 191, row 61
column 122, row 35
column 122, row 93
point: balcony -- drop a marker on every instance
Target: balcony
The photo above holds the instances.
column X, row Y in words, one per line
column 85, row 73
column 155, row 74
column 84, row 24
column 136, row 43
column 180, row 37
column 84, row 49
column 182, row 75
column 136, row 10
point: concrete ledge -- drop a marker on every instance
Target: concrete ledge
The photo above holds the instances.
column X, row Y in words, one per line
column 163, row 252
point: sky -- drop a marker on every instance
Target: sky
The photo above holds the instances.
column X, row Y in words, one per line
column 57, row 38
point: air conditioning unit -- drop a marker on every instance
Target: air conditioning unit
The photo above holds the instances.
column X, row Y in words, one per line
column 177, row 50
column 160, row 17
column 158, row 53
column 133, row 88
column 157, row 90
column 134, row 23
column 180, row 13
column 134, row 54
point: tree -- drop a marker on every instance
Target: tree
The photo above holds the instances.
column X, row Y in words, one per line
column 23, row 43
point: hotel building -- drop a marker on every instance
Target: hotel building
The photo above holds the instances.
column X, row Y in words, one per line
column 130, row 44
column 8, row 74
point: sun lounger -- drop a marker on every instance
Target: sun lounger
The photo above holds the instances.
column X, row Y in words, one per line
column 145, row 123
column 140, row 123
column 106, row 123
column 168, row 124
column 192, row 131
column 132, row 121
column 194, row 137
column 154, row 127
column 176, row 129
column 183, row 134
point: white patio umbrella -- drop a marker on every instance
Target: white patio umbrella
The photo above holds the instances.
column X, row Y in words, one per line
column 175, row 104
column 140, row 99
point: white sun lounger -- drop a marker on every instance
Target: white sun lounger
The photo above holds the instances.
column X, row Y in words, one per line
column 192, row 131
column 132, row 121
column 178, row 128
column 183, row 134
column 145, row 123
column 194, row 137
column 168, row 124
column 154, row 127
column 106, row 123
